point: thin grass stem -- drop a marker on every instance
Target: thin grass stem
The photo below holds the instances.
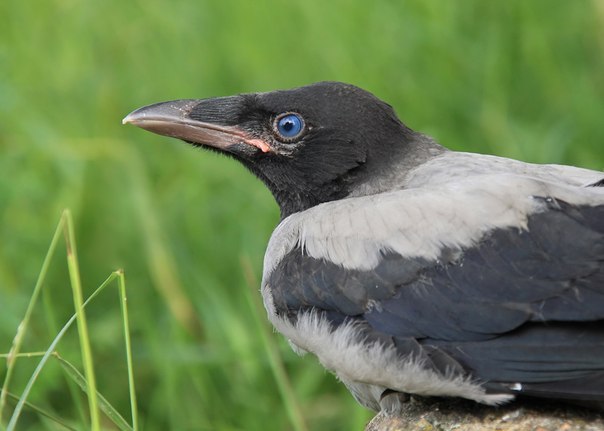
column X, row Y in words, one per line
column 125, row 321
column 85, row 346
column 45, row 413
column 23, row 355
column 104, row 405
column 47, row 354
column 22, row 329
column 285, row 388
column 53, row 328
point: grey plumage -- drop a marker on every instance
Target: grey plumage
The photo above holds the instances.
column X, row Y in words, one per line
column 407, row 267
column 472, row 275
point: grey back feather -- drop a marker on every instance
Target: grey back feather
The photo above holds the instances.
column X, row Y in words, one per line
column 451, row 201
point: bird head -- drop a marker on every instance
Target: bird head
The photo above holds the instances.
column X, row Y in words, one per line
column 309, row 145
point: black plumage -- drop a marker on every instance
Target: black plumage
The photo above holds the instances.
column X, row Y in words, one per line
column 433, row 272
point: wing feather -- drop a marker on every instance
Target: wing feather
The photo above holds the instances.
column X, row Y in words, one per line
column 501, row 277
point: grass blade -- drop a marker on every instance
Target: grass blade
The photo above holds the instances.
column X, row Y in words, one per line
column 53, row 328
column 285, row 388
column 125, row 322
column 160, row 261
column 103, row 404
column 44, row 413
column 76, row 286
column 47, row 354
column 88, row 383
column 21, row 330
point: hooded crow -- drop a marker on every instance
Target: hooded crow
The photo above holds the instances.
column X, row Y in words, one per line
column 406, row 268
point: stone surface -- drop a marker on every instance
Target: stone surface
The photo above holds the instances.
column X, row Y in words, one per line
column 460, row 415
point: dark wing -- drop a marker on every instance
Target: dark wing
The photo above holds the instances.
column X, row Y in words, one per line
column 521, row 308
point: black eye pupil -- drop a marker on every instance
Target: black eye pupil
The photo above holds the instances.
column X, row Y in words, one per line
column 289, row 125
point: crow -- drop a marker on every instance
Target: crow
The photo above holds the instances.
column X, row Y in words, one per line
column 407, row 268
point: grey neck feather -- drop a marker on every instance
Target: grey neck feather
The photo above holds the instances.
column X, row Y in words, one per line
column 391, row 172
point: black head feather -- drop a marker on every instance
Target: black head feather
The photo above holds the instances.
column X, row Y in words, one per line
column 348, row 135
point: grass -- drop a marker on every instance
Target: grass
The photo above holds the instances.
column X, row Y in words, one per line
column 87, row 383
column 515, row 78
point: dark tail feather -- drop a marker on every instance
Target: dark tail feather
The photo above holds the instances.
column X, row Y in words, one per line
column 588, row 390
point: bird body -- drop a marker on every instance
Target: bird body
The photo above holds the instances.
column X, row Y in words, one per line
column 408, row 268
column 440, row 241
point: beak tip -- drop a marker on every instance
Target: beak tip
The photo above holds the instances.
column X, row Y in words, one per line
column 129, row 119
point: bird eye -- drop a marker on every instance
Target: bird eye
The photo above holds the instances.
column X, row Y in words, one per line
column 289, row 126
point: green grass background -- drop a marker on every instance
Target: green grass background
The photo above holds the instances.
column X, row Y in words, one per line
column 516, row 78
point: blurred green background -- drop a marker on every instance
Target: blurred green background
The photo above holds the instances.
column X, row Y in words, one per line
column 517, row 78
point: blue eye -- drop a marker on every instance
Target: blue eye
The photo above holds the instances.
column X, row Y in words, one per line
column 289, row 126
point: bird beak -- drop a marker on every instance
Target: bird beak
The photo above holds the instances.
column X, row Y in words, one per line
column 174, row 119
